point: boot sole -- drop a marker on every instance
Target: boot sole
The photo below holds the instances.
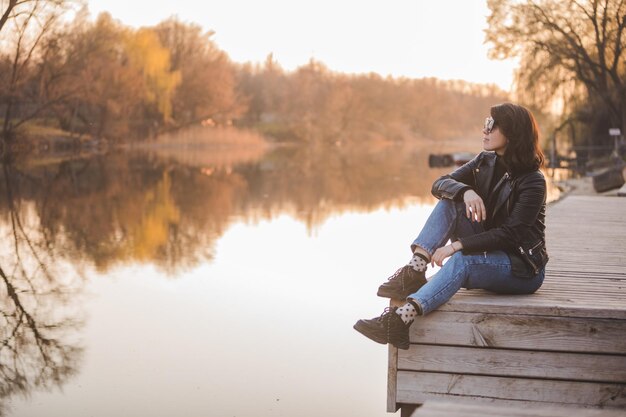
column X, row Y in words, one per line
column 366, row 331
column 386, row 293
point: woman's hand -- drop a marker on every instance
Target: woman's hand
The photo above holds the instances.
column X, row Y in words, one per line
column 445, row 251
column 474, row 206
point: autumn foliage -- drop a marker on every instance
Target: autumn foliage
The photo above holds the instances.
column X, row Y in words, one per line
column 101, row 79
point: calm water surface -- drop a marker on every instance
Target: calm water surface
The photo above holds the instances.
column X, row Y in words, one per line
column 189, row 284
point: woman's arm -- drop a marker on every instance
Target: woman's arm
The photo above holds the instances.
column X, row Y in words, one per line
column 452, row 186
column 445, row 251
column 530, row 201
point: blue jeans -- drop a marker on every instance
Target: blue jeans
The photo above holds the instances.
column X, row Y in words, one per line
column 486, row 270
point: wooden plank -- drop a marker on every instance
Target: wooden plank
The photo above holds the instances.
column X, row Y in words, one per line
column 561, row 272
column 514, row 363
column 419, row 387
column 559, row 276
column 392, row 374
column 448, row 409
column 569, row 306
column 512, row 331
column 562, row 306
column 610, row 261
column 589, row 295
column 603, row 279
column 571, row 288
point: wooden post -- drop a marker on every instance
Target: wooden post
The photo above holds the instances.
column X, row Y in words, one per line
column 392, row 380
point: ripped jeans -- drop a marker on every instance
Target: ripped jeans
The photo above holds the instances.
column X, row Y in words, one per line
column 489, row 270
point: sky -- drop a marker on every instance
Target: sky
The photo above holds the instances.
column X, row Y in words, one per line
column 409, row 38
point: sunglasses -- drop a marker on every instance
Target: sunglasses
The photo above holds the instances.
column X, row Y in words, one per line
column 489, row 124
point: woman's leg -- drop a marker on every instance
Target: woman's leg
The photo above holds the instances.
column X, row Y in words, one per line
column 490, row 271
column 446, row 221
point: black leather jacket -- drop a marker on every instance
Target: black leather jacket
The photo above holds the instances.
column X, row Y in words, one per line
column 517, row 223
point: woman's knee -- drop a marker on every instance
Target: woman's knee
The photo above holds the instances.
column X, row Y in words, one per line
column 457, row 260
column 457, row 263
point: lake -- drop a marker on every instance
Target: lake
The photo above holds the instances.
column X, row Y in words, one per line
column 204, row 282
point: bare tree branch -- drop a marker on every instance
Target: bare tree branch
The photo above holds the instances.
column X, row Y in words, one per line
column 7, row 13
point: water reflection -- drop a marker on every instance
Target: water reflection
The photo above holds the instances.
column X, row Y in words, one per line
column 39, row 309
column 154, row 208
column 167, row 210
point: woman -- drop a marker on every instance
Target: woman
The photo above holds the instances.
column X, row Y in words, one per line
column 493, row 211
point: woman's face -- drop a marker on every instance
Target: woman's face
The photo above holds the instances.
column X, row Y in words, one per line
column 493, row 139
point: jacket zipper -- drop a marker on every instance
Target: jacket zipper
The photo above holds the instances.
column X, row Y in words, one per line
column 530, row 251
column 530, row 261
column 508, row 200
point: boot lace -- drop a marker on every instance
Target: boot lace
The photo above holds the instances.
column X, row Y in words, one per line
column 388, row 311
column 385, row 312
column 399, row 274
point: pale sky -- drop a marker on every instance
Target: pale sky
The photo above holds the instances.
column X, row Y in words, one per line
column 412, row 38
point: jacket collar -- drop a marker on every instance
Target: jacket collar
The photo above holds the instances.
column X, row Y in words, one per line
column 489, row 159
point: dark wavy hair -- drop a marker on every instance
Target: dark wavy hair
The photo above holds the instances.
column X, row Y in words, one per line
column 518, row 125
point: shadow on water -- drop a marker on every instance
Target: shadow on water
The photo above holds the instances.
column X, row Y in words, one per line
column 167, row 208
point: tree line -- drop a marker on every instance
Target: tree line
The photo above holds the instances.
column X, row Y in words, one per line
column 102, row 79
column 105, row 80
column 316, row 104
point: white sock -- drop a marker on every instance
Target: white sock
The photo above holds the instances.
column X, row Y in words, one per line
column 418, row 262
column 407, row 313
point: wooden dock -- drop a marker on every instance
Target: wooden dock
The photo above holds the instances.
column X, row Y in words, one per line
column 562, row 346
column 446, row 409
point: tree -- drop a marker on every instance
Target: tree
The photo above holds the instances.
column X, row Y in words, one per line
column 264, row 87
column 146, row 53
column 110, row 87
column 11, row 9
column 121, row 79
column 567, row 48
column 207, row 88
column 24, row 25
